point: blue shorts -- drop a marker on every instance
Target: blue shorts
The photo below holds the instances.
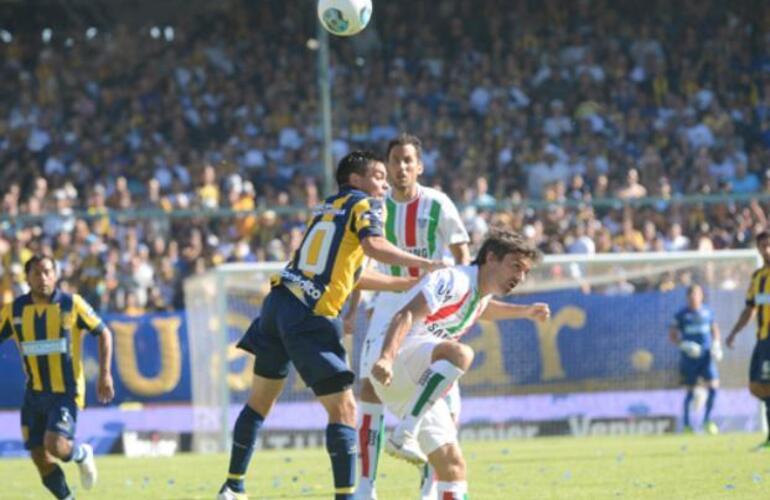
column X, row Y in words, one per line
column 759, row 369
column 287, row 330
column 693, row 368
column 47, row 411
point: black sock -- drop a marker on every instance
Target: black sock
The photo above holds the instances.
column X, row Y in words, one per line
column 57, row 483
column 244, row 436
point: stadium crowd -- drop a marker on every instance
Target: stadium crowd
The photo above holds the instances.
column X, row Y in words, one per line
column 584, row 101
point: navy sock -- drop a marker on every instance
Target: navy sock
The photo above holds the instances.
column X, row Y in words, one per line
column 57, row 483
column 244, row 436
column 341, row 445
column 687, row 401
column 77, row 454
column 710, row 404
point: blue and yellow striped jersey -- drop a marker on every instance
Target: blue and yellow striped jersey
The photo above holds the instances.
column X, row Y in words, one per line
column 758, row 296
column 327, row 265
column 49, row 338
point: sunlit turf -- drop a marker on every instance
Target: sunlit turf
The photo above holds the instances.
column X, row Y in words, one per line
column 670, row 467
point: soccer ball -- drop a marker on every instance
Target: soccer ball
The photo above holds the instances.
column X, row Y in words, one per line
column 344, row 17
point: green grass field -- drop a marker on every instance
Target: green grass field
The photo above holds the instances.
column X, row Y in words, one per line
column 669, row 467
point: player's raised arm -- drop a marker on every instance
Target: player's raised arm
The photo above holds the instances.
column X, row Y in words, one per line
column 371, row 279
column 415, row 311
column 380, row 249
column 498, row 310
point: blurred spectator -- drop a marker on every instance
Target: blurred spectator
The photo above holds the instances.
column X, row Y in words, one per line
column 563, row 104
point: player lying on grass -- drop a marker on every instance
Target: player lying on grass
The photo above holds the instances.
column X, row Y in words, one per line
column 418, row 357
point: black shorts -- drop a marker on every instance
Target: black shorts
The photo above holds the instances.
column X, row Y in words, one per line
column 287, row 330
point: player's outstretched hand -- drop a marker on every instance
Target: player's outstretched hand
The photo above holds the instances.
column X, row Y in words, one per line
column 382, row 371
column 435, row 265
column 105, row 390
column 730, row 341
column 539, row 311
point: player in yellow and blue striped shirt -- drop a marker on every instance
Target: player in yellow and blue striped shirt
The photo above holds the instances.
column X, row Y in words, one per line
column 758, row 301
column 299, row 320
column 47, row 325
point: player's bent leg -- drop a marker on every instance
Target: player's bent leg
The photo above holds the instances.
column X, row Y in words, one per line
column 340, row 434
column 450, row 360
column 65, row 449
column 450, row 469
column 51, row 474
column 370, row 431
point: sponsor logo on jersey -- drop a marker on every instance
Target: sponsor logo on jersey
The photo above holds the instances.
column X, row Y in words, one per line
column 306, row 285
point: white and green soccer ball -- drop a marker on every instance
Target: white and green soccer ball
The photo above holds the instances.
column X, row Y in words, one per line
column 344, row 17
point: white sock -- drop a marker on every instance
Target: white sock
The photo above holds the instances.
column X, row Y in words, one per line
column 370, row 433
column 428, row 483
column 455, row 490
column 436, row 380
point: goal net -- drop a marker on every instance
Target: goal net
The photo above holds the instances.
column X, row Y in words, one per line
column 608, row 334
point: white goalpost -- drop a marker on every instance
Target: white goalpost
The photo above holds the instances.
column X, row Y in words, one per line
column 634, row 293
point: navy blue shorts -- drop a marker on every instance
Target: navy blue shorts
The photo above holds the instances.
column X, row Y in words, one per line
column 287, row 330
column 693, row 368
column 46, row 411
column 759, row 370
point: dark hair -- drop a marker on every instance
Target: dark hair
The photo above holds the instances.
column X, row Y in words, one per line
column 501, row 242
column 405, row 139
column 763, row 235
column 37, row 258
column 355, row 162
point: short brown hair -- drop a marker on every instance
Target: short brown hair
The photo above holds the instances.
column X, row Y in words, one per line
column 405, row 139
column 501, row 242
column 764, row 235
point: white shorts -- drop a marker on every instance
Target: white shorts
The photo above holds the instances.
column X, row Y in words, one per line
column 385, row 307
column 438, row 426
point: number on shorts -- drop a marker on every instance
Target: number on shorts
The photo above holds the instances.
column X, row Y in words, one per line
column 314, row 254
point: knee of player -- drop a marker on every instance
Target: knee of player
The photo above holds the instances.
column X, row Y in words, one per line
column 57, row 445
column 456, row 353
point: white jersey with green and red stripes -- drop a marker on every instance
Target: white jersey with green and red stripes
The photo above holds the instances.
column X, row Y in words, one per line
column 424, row 226
column 453, row 299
